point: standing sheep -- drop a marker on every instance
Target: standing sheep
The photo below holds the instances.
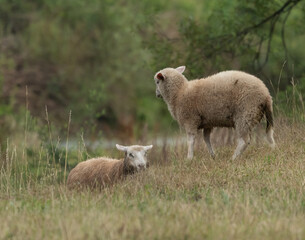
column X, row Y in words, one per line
column 102, row 171
column 226, row 99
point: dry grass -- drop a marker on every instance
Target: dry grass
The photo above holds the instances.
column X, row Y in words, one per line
column 259, row 196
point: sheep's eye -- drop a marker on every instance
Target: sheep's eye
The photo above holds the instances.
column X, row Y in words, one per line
column 157, row 82
column 131, row 155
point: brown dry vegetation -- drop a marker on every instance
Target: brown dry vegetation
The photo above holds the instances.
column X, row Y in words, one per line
column 259, row 196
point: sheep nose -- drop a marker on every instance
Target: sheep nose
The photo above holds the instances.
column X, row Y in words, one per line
column 142, row 166
column 158, row 95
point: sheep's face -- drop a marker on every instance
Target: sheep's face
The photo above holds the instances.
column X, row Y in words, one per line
column 163, row 79
column 135, row 156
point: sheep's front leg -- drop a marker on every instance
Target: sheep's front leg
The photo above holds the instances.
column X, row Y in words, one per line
column 242, row 144
column 206, row 136
column 190, row 145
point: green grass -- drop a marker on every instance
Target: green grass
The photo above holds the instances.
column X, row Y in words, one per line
column 259, row 196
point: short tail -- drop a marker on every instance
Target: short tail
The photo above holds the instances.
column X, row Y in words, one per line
column 269, row 118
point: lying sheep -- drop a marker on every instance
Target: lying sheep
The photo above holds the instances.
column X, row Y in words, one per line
column 227, row 99
column 102, row 171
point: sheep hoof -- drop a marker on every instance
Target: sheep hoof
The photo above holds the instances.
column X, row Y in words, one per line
column 272, row 146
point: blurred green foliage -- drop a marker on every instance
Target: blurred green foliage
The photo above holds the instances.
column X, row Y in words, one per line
column 97, row 58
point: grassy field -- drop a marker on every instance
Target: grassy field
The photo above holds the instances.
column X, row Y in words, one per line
column 259, row 196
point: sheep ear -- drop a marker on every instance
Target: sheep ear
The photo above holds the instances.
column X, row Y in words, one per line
column 121, row 148
column 160, row 76
column 146, row 148
column 180, row 69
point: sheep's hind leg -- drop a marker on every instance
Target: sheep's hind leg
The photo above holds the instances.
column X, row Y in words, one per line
column 206, row 137
column 190, row 145
column 270, row 138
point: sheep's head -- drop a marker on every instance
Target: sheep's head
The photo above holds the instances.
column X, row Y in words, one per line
column 135, row 156
column 167, row 78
